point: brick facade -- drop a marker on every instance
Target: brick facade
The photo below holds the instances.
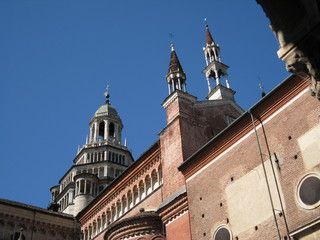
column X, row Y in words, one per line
column 227, row 187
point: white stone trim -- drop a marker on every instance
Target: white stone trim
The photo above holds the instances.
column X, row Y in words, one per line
column 309, row 225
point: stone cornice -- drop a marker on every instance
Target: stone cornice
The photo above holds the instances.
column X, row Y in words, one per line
column 174, row 208
column 178, row 94
column 33, row 208
column 36, row 225
column 214, row 63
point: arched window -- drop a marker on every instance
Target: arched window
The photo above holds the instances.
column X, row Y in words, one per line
column 154, row 179
column 113, row 213
column 82, row 186
column 88, row 187
column 141, row 190
column 119, row 212
column 135, row 195
column 148, row 184
column 108, row 217
column 90, row 232
column 212, row 55
column 124, row 204
column 99, row 226
column 130, row 203
column 94, row 228
column 104, row 219
column 77, row 187
column 111, row 130
column 85, row 236
column 101, row 131
column 92, row 132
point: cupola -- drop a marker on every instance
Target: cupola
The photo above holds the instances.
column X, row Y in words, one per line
column 106, row 125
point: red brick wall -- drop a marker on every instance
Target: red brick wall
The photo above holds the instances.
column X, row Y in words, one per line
column 197, row 122
column 208, row 207
column 179, row 228
column 171, row 155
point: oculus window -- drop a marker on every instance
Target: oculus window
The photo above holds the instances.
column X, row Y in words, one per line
column 222, row 233
column 308, row 192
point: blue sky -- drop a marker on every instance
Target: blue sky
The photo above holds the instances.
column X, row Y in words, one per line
column 56, row 58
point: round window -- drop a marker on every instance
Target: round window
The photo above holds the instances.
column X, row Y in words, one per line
column 222, row 233
column 309, row 191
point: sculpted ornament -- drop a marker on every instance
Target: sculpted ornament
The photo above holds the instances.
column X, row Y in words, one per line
column 301, row 64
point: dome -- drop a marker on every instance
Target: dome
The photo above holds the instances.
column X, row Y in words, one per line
column 106, row 109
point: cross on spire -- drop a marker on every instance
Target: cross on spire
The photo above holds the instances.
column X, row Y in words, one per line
column 106, row 94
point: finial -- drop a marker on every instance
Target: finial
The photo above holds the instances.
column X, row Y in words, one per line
column 172, row 47
column 205, row 21
column 262, row 90
column 171, row 40
column 106, row 94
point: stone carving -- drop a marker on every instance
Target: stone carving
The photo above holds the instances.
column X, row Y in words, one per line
column 296, row 25
column 299, row 63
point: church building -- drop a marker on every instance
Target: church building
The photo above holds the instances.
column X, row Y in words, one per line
column 216, row 172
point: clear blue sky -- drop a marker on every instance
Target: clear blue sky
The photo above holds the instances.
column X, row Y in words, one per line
column 56, row 57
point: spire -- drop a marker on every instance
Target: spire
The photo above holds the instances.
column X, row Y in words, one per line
column 174, row 65
column 215, row 70
column 209, row 39
column 176, row 77
column 211, row 50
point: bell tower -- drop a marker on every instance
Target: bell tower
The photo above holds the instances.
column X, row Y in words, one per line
column 176, row 77
column 97, row 163
column 106, row 125
column 216, row 71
